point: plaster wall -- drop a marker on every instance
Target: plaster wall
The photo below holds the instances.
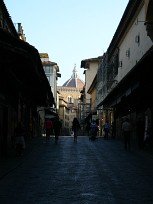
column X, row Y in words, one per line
column 130, row 43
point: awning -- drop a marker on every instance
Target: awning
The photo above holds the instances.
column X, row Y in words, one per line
column 50, row 114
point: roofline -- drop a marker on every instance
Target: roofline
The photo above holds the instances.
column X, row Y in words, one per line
column 85, row 62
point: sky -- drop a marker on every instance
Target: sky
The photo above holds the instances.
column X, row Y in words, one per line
column 68, row 30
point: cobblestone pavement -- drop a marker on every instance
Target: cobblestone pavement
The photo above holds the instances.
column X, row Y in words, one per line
column 82, row 172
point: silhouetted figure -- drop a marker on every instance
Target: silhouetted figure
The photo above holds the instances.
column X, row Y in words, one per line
column 126, row 129
column 57, row 125
column 75, row 127
column 106, row 129
column 93, row 130
column 48, row 127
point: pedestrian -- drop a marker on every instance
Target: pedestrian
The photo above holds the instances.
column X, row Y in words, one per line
column 88, row 127
column 57, row 125
column 93, row 130
column 48, row 127
column 75, row 127
column 126, row 129
column 106, row 129
column 19, row 139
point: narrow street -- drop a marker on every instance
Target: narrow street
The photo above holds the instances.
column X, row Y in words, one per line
column 82, row 172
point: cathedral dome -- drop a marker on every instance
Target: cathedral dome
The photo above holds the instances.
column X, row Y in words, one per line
column 74, row 81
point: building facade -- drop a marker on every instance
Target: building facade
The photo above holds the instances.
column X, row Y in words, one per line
column 51, row 70
column 88, row 102
column 124, row 77
column 23, row 84
column 70, row 92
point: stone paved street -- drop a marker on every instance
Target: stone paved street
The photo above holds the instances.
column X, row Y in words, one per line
column 86, row 172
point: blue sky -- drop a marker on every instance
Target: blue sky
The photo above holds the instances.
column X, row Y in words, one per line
column 68, row 30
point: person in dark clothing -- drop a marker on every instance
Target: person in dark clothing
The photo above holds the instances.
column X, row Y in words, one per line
column 48, row 127
column 93, row 130
column 75, row 127
column 106, row 129
column 126, row 129
column 57, row 125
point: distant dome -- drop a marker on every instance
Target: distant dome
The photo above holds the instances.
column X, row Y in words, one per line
column 74, row 81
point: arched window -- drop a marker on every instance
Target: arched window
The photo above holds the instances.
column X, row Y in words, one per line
column 69, row 99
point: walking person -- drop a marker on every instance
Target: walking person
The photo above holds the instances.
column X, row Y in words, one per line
column 126, row 129
column 75, row 127
column 57, row 125
column 48, row 127
column 93, row 130
column 106, row 129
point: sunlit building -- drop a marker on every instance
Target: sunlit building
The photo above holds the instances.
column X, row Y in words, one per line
column 70, row 93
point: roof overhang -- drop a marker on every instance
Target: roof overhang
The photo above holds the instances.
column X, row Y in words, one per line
column 22, row 63
column 138, row 78
column 86, row 62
